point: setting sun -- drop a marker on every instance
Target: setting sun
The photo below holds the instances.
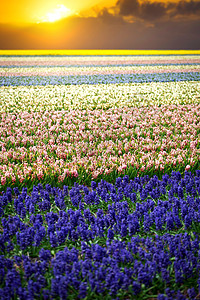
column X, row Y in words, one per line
column 58, row 13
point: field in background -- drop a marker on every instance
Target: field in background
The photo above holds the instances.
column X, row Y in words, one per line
column 82, row 118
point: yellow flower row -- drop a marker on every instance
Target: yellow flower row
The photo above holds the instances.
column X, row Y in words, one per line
column 98, row 52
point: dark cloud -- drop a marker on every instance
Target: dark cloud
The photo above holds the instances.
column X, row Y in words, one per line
column 188, row 8
column 128, row 7
column 152, row 11
column 148, row 10
column 105, row 16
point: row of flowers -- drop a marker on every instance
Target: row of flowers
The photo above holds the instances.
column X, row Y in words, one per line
column 62, row 71
column 98, row 79
column 100, row 96
column 101, row 64
column 99, row 58
column 83, row 144
column 135, row 239
column 96, row 52
column 92, row 63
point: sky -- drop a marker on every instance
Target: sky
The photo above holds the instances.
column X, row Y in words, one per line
column 100, row 24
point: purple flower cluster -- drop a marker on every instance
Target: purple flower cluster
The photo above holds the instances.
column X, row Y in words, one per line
column 132, row 239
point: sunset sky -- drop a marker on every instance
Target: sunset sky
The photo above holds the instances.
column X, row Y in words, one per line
column 94, row 24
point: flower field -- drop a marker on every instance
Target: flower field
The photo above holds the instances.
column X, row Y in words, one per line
column 100, row 175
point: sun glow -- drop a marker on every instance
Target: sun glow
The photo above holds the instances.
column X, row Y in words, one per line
column 58, row 13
